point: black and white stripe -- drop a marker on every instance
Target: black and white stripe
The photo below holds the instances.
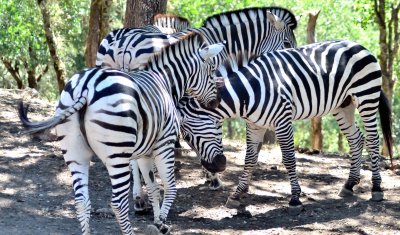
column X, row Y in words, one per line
column 130, row 48
column 120, row 116
column 251, row 31
column 279, row 87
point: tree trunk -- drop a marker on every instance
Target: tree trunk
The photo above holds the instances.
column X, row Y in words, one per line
column 105, row 18
column 316, row 122
column 32, row 83
column 93, row 37
column 389, row 46
column 140, row 12
column 230, row 128
column 51, row 43
column 316, row 133
column 14, row 71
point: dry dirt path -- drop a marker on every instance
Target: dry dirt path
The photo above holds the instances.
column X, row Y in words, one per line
column 36, row 196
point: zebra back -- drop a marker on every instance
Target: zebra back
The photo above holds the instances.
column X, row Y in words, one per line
column 170, row 24
column 250, row 14
column 110, row 40
column 132, row 52
column 252, row 37
column 250, row 32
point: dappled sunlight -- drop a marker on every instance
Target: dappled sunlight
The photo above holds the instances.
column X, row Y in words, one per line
column 216, row 213
column 35, row 188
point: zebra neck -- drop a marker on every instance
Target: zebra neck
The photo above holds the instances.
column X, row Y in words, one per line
column 171, row 79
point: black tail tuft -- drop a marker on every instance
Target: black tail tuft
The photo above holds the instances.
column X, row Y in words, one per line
column 386, row 123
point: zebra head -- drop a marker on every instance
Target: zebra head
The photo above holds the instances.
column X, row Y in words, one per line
column 282, row 33
column 203, row 133
column 202, row 83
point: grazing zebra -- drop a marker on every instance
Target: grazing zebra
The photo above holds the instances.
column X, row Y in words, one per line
column 120, row 116
column 279, row 87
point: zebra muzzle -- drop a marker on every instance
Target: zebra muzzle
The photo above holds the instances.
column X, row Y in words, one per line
column 217, row 165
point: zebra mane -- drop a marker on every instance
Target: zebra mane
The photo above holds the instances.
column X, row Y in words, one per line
column 234, row 61
column 191, row 35
column 160, row 17
column 169, row 24
column 253, row 13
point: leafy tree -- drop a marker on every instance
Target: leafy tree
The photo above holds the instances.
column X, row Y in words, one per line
column 25, row 53
column 23, row 47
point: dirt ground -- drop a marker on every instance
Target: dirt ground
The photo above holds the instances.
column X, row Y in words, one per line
column 36, row 194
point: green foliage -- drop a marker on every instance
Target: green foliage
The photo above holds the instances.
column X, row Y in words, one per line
column 198, row 11
column 238, row 126
column 365, row 13
column 19, row 21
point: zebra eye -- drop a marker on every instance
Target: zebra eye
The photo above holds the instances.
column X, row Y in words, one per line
column 287, row 44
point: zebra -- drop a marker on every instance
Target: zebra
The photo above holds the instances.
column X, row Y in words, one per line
column 120, row 116
column 279, row 87
column 255, row 30
column 150, row 39
column 251, row 30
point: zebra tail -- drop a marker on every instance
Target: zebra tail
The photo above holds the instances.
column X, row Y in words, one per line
column 32, row 127
column 386, row 123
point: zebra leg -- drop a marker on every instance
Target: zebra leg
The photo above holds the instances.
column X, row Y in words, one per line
column 284, row 134
column 77, row 156
column 165, row 166
column 137, row 190
column 178, row 147
column 120, row 181
column 254, row 140
column 368, row 117
column 345, row 118
column 146, row 165
column 164, row 162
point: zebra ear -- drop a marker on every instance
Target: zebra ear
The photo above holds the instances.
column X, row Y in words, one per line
column 211, row 51
column 275, row 21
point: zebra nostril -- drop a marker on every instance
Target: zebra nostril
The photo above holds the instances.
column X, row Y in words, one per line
column 213, row 104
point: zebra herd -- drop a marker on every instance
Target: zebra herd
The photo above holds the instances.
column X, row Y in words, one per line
column 153, row 81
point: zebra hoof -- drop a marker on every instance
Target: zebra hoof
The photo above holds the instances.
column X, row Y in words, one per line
column 153, row 230
column 164, row 229
column 215, row 184
column 377, row 196
column 232, row 203
column 344, row 193
column 295, row 210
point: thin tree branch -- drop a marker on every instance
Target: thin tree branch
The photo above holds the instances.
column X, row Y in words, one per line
column 42, row 73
